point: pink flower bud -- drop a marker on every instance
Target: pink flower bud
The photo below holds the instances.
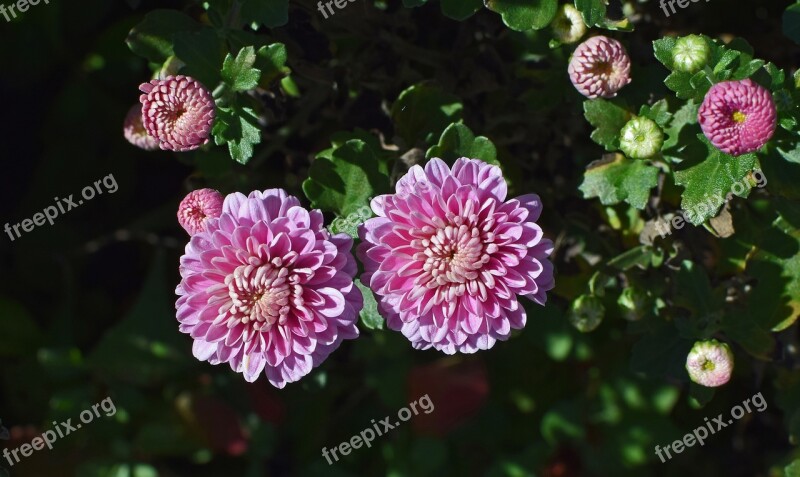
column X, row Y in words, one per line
column 738, row 116
column 197, row 207
column 710, row 363
column 134, row 131
column 600, row 67
column 178, row 111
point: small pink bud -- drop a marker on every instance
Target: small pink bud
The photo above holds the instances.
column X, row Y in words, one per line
column 710, row 363
column 197, row 207
column 134, row 131
column 600, row 67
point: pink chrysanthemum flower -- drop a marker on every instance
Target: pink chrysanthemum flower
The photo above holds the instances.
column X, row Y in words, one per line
column 197, row 208
column 178, row 111
column 448, row 255
column 266, row 288
column 600, row 67
column 738, row 116
column 710, row 363
column 134, row 131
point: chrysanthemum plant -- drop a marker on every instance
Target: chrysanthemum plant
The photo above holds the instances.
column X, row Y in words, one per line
column 702, row 156
column 238, row 66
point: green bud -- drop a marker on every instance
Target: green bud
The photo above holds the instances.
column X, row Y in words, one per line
column 641, row 138
column 634, row 303
column 568, row 26
column 587, row 313
column 690, row 54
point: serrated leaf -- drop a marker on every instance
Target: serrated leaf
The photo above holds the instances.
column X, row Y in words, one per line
column 686, row 115
column 662, row 49
column 238, row 128
column 271, row 60
column 522, row 15
column 681, row 83
column 459, row 141
column 370, row 317
column 270, row 13
column 617, row 178
column 658, row 112
column 707, row 183
column 153, row 38
column 345, row 179
column 423, row 111
column 608, row 119
column 239, row 73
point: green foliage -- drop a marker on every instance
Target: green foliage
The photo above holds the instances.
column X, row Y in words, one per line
column 617, row 178
column 343, row 179
column 458, row 141
column 423, row 111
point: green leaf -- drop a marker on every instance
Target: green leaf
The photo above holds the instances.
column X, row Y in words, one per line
column 370, row 317
column 592, row 11
column 423, row 111
column 707, row 183
column 461, row 9
column 458, row 141
column 238, row 127
column 617, row 178
column 271, row 60
column 202, row 51
column 608, row 119
column 153, row 38
column 269, row 13
column 681, row 83
column 686, row 115
column 346, row 179
column 658, row 112
column 791, row 23
column 239, row 73
column 662, row 49
column 349, row 224
column 594, row 14
column 522, row 15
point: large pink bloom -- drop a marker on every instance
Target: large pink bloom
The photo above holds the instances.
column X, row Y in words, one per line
column 738, row 116
column 266, row 288
column 178, row 111
column 448, row 255
column 600, row 67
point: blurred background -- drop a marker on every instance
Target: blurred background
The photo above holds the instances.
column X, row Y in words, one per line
column 87, row 304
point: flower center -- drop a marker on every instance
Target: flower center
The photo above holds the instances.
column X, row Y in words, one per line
column 709, row 365
column 738, row 117
column 260, row 294
column 602, row 68
column 454, row 254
